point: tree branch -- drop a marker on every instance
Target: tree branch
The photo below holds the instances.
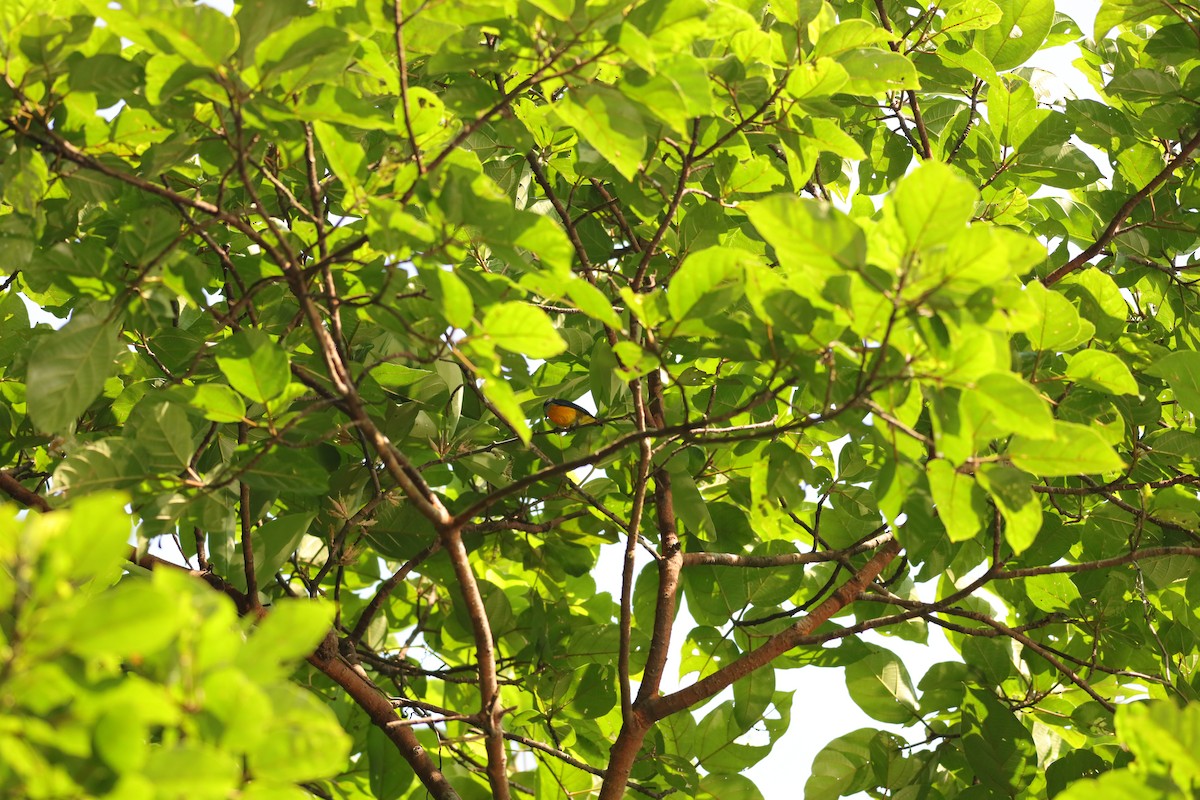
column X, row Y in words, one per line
column 383, row 716
column 1114, row 225
column 783, row 559
column 491, row 712
column 1103, row 563
column 636, row 722
column 14, row 489
column 629, row 564
column 918, row 120
column 778, row 644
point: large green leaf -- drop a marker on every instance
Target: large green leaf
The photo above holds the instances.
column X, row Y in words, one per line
column 1181, row 370
column 609, row 122
column 67, row 370
column 255, row 365
column 1074, row 450
column 932, row 204
column 1097, row 369
column 998, row 747
column 1015, row 406
column 958, row 500
column 880, row 685
column 810, row 238
column 522, row 328
column 1019, row 33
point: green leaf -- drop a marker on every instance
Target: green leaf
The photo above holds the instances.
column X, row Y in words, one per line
column 832, row 139
column 1072, row 767
column 1020, row 507
column 1181, row 370
column 880, row 686
column 1117, row 12
column 703, row 272
column 933, row 204
column 303, row 740
column 291, row 631
column 1064, row 166
column 973, row 61
column 848, row 35
column 88, row 542
column 1119, row 784
column 24, row 179
column 842, row 768
column 219, row 403
column 501, row 395
column 133, row 618
column 558, row 9
column 312, row 45
column 522, row 328
column 163, row 433
column 108, row 464
column 1019, row 33
column 274, row 541
column 285, row 471
column 678, row 91
column 752, row 696
column 1052, row 593
column 958, row 500
column 1143, row 86
column 200, row 34
column 811, row 238
column 67, row 370
column 255, row 365
column 1016, row 407
column 997, row 746
column 1100, row 370
column 971, row 15
column 689, row 503
column 1011, row 104
column 593, row 302
column 873, row 71
column 819, row 78
column 1074, row 450
column 1160, row 731
column 386, row 782
column 610, row 123
column 728, row 787
column 346, row 156
column 391, row 374
column 1060, row 327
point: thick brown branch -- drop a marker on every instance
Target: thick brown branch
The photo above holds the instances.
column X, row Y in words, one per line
column 1114, row 225
column 491, row 711
column 26, row 497
column 384, row 717
column 636, row 722
column 778, row 644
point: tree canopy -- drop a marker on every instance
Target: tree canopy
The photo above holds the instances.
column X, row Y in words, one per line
column 879, row 336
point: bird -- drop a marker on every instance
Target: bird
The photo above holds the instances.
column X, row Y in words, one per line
column 565, row 414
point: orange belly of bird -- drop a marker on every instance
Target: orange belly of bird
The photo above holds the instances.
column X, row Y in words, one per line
column 561, row 416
